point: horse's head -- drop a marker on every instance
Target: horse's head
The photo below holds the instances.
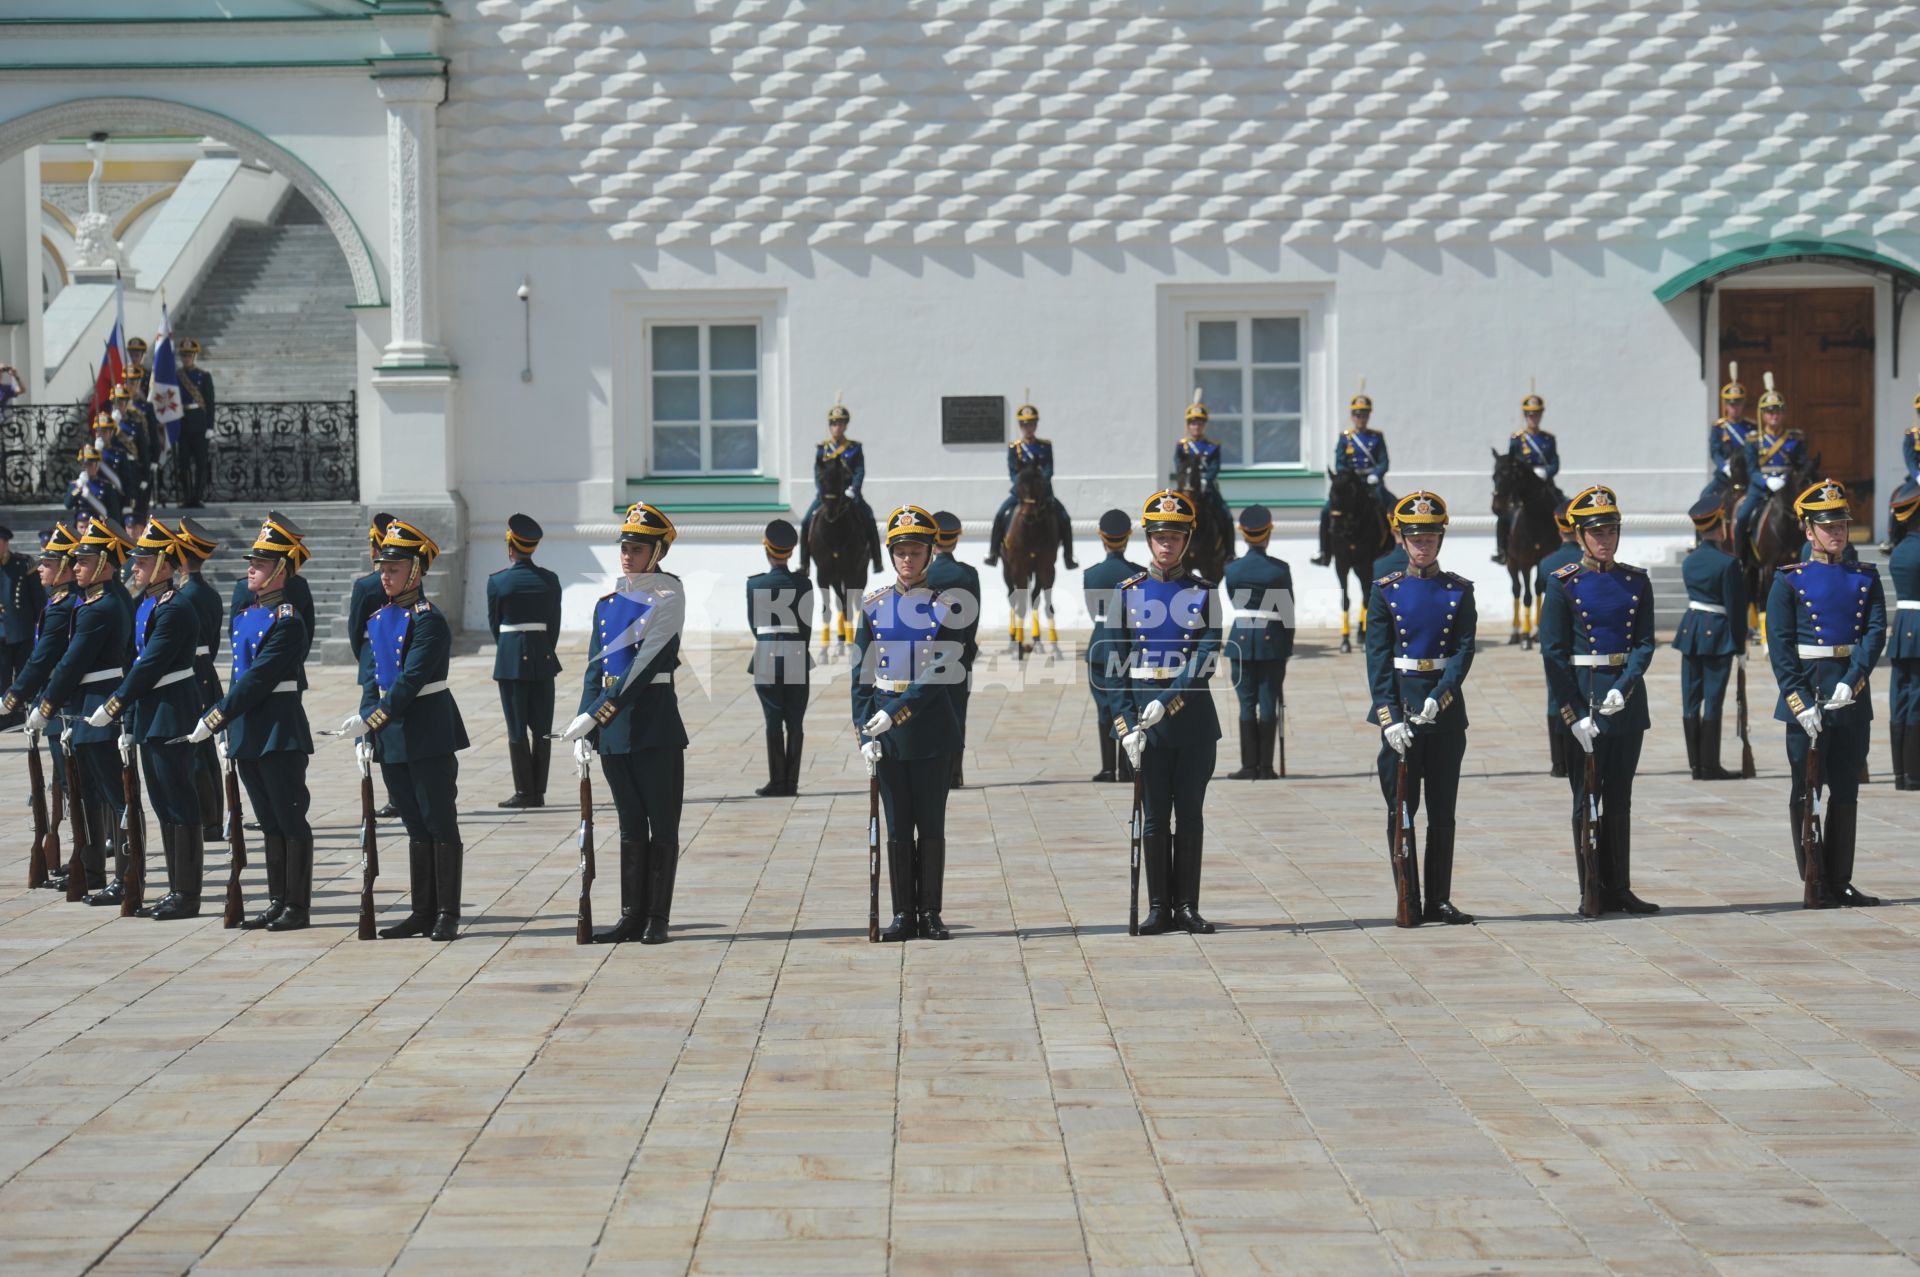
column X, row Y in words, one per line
column 1347, row 490
column 1190, row 475
column 833, row 477
column 1031, row 484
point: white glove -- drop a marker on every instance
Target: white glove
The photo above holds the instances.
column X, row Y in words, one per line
column 220, row 746
column 579, row 727
column 1399, row 736
column 1428, row 713
column 1613, row 702
column 583, row 752
column 126, row 745
column 199, row 733
column 1810, row 720
column 1775, row 483
column 1584, row 731
column 99, row 717
column 1373, row 478
column 1153, row 713
column 363, row 753
column 1135, row 743
column 1540, row 471
column 1740, row 658
column 870, row 754
column 36, row 721
column 1841, row 698
column 878, row 725
column 355, row 726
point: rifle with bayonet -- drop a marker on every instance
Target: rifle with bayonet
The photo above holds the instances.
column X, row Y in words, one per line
column 236, row 845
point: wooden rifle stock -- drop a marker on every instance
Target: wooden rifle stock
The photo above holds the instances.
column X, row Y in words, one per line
column 133, row 888
column 236, row 846
column 873, row 858
column 1740, row 706
column 1812, row 844
column 1406, row 868
column 369, row 850
column 37, row 801
column 1136, row 834
column 583, row 929
column 77, row 808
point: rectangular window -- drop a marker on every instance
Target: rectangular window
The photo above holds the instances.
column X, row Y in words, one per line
column 1250, row 370
column 703, row 397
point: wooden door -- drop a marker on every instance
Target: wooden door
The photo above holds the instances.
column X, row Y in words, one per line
column 1818, row 343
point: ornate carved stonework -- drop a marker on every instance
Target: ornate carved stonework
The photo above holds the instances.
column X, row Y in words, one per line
column 116, row 198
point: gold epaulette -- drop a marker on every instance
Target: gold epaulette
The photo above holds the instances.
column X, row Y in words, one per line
column 1135, row 579
column 1561, row 574
column 1390, row 578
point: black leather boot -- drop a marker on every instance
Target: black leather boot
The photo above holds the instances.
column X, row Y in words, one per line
column 1325, row 556
column 1186, row 884
column 776, row 785
column 1843, row 823
column 387, row 812
column 1617, row 828
column 537, row 768
column 420, row 884
column 796, row 745
column 1249, row 768
column 900, row 887
column 297, row 916
column 169, row 841
column 1108, row 747
column 1898, row 739
column 1156, row 859
column 1690, row 728
column 517, row 759
column 930, row 878
column 1266, row 733
column 107, row 838
column 1439, row 878
column 1556, row 747
column 663, row 863
column 1710, row 768
column 448, row 858
column 186, row 872
column 273, row 850
column 995, row 537
column 632, row 920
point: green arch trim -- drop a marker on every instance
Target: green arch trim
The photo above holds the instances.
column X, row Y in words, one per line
column 1778, row 252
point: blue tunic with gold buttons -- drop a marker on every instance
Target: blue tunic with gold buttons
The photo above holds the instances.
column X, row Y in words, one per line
column 631, row 655
column 405, row 697
column 262, row 712
column 908, row 660
column 1536, row 448
column 1725, row 440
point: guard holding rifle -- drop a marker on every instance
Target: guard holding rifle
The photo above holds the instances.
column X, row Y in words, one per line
column 780, row 614
column 196, row 547
column 49, row 645
column 1711, row 637
column 1596, row 637
column 1170, row 629
column 630, row 715
column 959, row 584
column 1558, row 741
column 1826, row 625
column 523, row 611
column 1106, row 652
column 98, row 649
column 160, row 700
column 266, row 728
column 22, row 598
column 406, row 707
column 906, row 662
column 1903, row 646
column 366, row 598
column 1420, row 632
column 1260, row 644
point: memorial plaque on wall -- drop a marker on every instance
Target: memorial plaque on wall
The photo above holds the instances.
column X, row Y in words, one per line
column 973, row 419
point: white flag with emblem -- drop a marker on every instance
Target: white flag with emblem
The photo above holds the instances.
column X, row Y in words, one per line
column 163, row 386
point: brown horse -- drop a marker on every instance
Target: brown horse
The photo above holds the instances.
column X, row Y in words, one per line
column 1026, row 564
column 1211, row 544
column 1530, row 500
column 1776, row 539
column 1357, row 531
column 837, row 544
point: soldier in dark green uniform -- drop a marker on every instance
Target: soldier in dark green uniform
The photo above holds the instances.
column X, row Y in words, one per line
column 408, row 710
column 1259, row 644
column 1558, row 741
column 1106, row 650
column 906, row 664
column 959, row 584
column 523, row 611
column 630, row 715
column 51, row 630
column 22, row 598
column 1711, row 637
column 196, row 547
column 1903, row 643
column 780, row 615
column 367, row 598
column 266, row 731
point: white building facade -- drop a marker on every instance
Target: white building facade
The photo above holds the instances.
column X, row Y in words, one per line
column 725, row 217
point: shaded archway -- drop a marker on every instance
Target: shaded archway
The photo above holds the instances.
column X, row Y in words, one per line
column 127, row 115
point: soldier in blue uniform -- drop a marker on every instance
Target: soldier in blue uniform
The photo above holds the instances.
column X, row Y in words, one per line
column 1773, row 453
column 1029, row 449
column 296, row 589
column 22, row 599
column 408, row 710
column 837, row 445
column 1259, row 644
column 99, row 648
column 1903, row 646
column 266, row 728
column 780, row 616
column 194, row 464
column 1728, row 436
column 196, row 547
column 1106, row 646
column 630, row 713
column 1170, row 628
column 907, row 660
column 49, row 645
column 1196, row 444
column 366, row 598
column 1420, row 635
column 1826, row 626
column 92, row 495
column 1538, row 449
column 159, row 699
column 523, row 611
column 136, row 442
column 1712, row 635
column 1363, row 450
column 1596, row 636
column 1558, row 740
column 959, row 584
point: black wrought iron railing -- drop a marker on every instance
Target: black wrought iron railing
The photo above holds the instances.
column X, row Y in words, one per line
column 306, row 451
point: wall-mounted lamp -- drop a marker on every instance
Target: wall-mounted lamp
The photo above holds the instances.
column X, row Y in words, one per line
column 525, row 294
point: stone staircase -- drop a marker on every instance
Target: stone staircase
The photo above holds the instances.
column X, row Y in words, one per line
column 272, row 313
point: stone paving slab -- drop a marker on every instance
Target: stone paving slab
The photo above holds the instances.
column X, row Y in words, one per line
column 1731, row 1087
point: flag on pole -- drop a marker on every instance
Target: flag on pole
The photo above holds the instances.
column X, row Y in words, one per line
column 163, row 384
column 111, row 365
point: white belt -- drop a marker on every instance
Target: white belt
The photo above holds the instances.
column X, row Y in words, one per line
column 1715, row 608
column 100, row 676
column 174, row 677
column 1908, row 605
column 431, row 688
column 291, row 685
column 203, row 650
column 1813, row 651
column 1420, row 664
column 1601, row 658
column 1155, row 671
column 614, row 680
column 892, row 684
column 767, row 630
column 523, row 627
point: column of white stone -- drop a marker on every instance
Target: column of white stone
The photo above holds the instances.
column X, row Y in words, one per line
column 413, row 211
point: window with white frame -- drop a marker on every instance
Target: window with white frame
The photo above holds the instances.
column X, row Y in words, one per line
column 1251, row 372
column 703, row 398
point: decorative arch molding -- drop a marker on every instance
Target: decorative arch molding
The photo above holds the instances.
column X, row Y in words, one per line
column 126, row 115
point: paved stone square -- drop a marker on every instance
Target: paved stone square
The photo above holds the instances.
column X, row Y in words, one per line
column 1730, row 1087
